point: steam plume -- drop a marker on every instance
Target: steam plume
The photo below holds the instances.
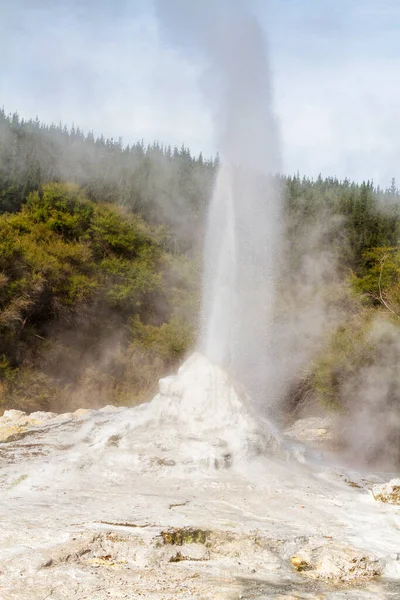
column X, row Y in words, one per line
column 244, row 217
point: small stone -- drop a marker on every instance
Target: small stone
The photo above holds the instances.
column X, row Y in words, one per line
column 299, row 563
column 388, row 493
column 14, row 415
column 11, row 432
column 111, row 409
column 42, row 415
column 82, row 412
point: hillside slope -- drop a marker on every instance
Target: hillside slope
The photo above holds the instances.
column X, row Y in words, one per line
column 100, row 275
column 84, row 288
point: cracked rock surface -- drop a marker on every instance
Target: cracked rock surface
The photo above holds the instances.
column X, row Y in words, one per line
column 190, row 496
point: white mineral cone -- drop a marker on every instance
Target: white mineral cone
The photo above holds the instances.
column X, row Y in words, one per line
column 201, row 401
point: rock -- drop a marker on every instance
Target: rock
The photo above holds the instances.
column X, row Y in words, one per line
column 300, row 596
column 387, row 492
column 198, row 400
column 111, row 409
column 40, row 416
column 312, row 429
column 191, row 552
column 335, row 563
column 14, row 415
column 14, row 424
column 11, row 432
column 65, row 416
column 81, row 412
column 186, row 535
column 300, row 564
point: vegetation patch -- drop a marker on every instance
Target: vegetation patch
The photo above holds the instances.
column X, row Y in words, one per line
column 100, row 273
column 86, row 304
column 17, row 481
column 187, row 535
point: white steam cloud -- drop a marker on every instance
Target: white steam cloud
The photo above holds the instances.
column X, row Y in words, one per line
column 243, row 232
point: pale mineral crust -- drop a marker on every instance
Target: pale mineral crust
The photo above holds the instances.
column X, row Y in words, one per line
column 190, row 496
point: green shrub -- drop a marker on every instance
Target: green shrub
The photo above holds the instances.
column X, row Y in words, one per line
column 75, row 273
column 63, row 209
column 349, row 349
column 379, row 280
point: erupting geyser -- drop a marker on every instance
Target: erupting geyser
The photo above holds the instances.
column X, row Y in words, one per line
column 244, row 217
column 215, row 391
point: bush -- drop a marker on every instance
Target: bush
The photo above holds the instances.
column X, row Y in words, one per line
column 348, row 350
column 76, row 274
column 379, row 281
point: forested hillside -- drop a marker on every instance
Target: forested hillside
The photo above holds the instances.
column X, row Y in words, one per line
column 100, row 267
column 164, row 185
column 340, row 293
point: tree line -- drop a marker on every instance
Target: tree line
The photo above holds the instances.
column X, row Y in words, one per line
column 100, row 267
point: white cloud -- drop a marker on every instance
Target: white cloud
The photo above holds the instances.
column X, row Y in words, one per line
column 336, row 89
column 119, row 81
column 342, row 121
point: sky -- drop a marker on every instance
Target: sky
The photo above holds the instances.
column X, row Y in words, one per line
column 105, row 66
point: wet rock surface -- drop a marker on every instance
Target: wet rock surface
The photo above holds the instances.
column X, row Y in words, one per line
column 313, row 429
column 134, row 503
column 388, row 492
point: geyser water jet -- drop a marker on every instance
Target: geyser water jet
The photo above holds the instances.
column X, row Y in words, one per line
column 244, row 218
column 242, row 236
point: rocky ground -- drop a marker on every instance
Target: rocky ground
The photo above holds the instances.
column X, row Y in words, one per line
column 191, row 496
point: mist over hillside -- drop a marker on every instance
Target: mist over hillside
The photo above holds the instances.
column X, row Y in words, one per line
column 100, row 271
